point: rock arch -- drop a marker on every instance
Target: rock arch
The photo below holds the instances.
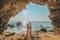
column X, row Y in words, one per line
column 9, row 8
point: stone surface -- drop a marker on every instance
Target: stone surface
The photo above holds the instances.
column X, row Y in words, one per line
column 9, row 8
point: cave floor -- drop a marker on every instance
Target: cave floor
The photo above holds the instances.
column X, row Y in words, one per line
column 38, row 36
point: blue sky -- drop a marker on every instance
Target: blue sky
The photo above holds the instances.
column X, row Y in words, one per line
column 32, row 12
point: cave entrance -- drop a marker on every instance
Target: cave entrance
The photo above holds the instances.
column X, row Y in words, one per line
column 37, row 15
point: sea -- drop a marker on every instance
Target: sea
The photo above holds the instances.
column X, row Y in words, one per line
column 36, row 26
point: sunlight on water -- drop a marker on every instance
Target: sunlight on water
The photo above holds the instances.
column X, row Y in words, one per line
column 24, row 23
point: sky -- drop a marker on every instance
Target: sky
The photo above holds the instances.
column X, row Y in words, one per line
column 32, row 12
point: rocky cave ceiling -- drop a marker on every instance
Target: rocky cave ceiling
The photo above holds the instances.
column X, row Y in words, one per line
column 9, row 8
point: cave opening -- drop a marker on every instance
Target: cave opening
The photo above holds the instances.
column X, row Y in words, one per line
column 35, row 14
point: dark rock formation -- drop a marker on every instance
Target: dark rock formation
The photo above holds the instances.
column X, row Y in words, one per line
column 54, row 8
column 9, row 8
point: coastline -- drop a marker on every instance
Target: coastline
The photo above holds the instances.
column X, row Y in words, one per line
column 40, row 36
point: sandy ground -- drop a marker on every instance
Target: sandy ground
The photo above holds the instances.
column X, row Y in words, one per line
column 45, row 36
column 37, row 36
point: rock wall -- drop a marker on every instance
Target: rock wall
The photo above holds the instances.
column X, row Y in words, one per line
column 9, row 8
column 54, row 8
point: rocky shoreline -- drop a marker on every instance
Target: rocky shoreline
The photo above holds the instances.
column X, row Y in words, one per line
column 36, row 36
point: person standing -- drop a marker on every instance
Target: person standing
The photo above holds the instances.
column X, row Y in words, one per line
column 29, row 31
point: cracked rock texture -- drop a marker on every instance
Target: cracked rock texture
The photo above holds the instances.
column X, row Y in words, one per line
column 9, row 8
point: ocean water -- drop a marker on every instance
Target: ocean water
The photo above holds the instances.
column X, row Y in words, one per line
column 36, row 26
